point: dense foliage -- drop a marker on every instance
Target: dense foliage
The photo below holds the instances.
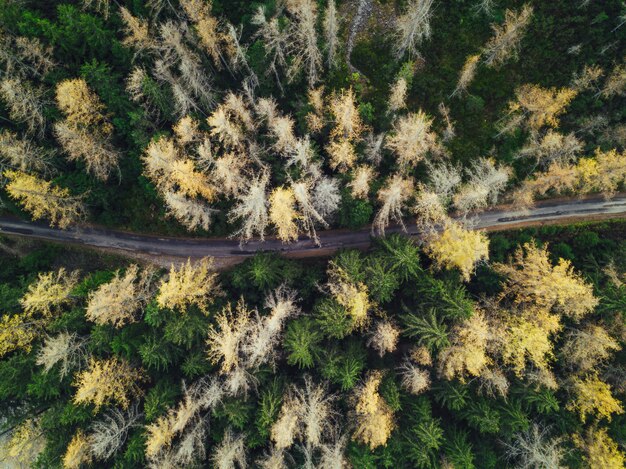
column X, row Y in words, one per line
column 373, row 359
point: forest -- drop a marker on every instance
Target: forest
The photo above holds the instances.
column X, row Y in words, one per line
column 211, row 119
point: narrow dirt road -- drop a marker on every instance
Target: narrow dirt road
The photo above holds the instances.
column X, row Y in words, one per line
column 229, row 250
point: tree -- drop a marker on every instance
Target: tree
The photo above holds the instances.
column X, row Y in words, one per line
column 533, row 448
column 384, row 337
column 584, row 349
column 302, row 47
column 353, row 296
column 373, row 417
column 593, row 396
column 397, row 97
column 537, row 107
column 600, row 451
column 275, row 40
column 533, row 280
column 85, row 132
column 415, row 380
column 44, row 200
column 347, row 130
column 485, row 183
column 78, row 451
column 225, row 341
column 109, row 434
column 117, row 301
column 49, row 292
column 23, row 155
column 605, row 172
column 412, row 138
column 22, row 446
column 615, row 83
column 108, row 380
column 467, row 352
column 360, row 184
column 16, row 332
column 65, row 348
column 189, row 284
column 283, row 213
column 552, row 147
column 331, row 31
column 458, row 248
column 230, row 451
column 467, row 74
column 251, row 209
column 25, row 103
column 393, row 196
column 506, row 39
column 413, row 27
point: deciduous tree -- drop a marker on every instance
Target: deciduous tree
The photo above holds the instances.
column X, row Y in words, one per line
column 412, row 138
column 44, row 200
column 283, row 213
column 393, row 196
column 50, row 291
column 506, row 39
column 413, row 26
column 593, row 396
column 373, row 418
column 189, row 284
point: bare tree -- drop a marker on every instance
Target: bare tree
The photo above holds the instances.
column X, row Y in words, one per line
column 25, row 103
column 326, row 196
column 22, row 154
column 534, row 448
column 468, row 72
column 252, row 209
column 413, row 27
column 109, row 434
column 65, row 348
column 331, row 31
column 305, row 55
column 275, row 41
column 231, row 452
column 393, row 196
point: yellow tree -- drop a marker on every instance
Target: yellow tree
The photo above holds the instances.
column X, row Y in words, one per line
column 117, row 301
column 17, row 332
column 78, row 452
column 51, row 290
column 458, row 248
column 393, row 196
column 600, row 450
column 538, row 107
column 604, row 173
column 467, row 74
column 593, row 396
column 467, row 353
column 189, row 284
column 44, row 200
column 346, row 131
column 373, row 417
column 225, row 340
column 106, row 381
column 531, row 279
column 23, row 445
column 585, row 348
column 283, row 213
column 85, row 132
column 351, row 295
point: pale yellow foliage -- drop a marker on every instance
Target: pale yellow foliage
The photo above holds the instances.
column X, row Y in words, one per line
column 117, row 301
column 189, row 284
column 25, row 103
column 23, row 445
column 559, row 177
column 78, row 452
column 397, row 97
column 593, row 397
column 457, row 247
column 286, row 428
column 421, row 355
column 616, row 82
column 506, row 39
column 160, row 434
column 64, row 348
column 43, row 200
column 429, row 209
column 186, row 130
column 81, row 106
column 532, row 279
column 374, row 418
column 315, row 119
column 468, row 72
column 22, row 154
column 540, row 106
column 586, row 348
column 384, row 338
column 393, row 196
column 352, row 296
column 467, row 353
column 342, row 155
column 108, row 380
column 136, row 29
column 412, row 138
column 49, row 292
column 604, row 173
column 228, row 174
column 361, row 179
column 225, row 127
column 16, row 332
column 526, row 337
column 283, row 213
column 224, row 341
column 600, row 451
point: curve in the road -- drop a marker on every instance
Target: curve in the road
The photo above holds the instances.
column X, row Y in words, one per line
column 546, row 212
